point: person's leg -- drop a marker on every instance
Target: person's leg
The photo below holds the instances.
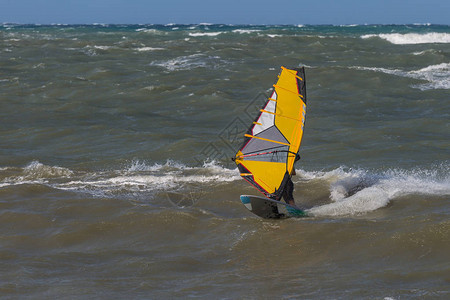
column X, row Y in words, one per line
column 288, row 192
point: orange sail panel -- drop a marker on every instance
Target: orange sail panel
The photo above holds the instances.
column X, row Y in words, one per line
column 266, row 158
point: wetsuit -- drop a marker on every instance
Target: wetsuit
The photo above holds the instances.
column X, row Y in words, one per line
column 288, row 191
column 289, row 187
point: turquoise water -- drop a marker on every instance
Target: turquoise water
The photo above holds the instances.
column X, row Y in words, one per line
column 116, row 178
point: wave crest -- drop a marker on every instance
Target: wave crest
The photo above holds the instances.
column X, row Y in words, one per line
column 437, row 76
column 412, row 38
column 37, row 170
column 190, row 62
column 349, row 191
column 360, row 191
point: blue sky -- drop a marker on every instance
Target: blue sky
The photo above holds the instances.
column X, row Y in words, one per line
column 225, row 11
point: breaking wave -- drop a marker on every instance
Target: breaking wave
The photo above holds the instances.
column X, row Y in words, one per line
column 438, row 76
column 151, row 31
column 360, row 191
column 34, row 173
column 144, row 49
column 246, row 31
column 137, row 177
column 190, row 62
column 350, row 191
column 412, row 38
column 197, row 34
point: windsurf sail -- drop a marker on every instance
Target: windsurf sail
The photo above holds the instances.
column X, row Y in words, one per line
column 267, row 155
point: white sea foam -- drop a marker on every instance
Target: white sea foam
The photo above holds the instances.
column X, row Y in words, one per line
column 102, row 47
column 274, row 35
column 138, row 165
column 350, row 191
column 412, row 38
column 34, row 173
column 151, row 31
column 246, row 31
column 190, row 62
column 145, row 49
column 424, row 52
column 35, row 169
column 360, row 191
column 138, row 179
column 142, row 179
column 438, row 76
column 197, row 34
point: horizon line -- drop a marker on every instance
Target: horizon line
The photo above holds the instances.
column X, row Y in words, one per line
column 225, row 24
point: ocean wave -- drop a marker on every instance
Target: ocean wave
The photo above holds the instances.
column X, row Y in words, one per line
column 197, row 34
column 216, row 33
column 350, row 191
column 274, row 35
column 102, row 47
column 428, row 51
column 438, row 76
column 140, row 180
column 151, row 31
column 246, row 31
column 361, row 191
column 13, row 79
column 412, row 38
column 35, row 169
column 33, row 173
column 145, row 49
column 190, row 62
column 92, row 50
column 138, row 177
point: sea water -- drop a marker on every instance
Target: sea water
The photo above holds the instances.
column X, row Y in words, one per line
column 116, row 179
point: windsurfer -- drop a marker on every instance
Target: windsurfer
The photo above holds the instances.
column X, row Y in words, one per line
column 274, row 138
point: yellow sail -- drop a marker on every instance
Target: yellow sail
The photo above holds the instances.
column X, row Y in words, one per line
column 266, row 158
